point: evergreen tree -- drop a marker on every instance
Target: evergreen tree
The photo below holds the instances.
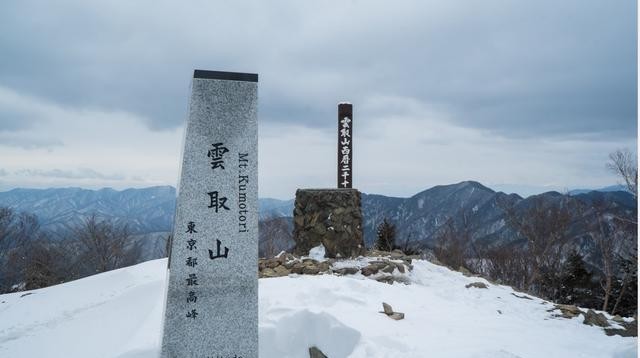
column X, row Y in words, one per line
column 575, row 281
column 386, row 236
column 626, row 288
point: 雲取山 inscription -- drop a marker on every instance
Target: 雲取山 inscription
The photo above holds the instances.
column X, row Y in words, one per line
column 212, row 298
column 345, row 145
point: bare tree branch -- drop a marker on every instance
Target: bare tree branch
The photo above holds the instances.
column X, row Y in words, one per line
column 625, row 165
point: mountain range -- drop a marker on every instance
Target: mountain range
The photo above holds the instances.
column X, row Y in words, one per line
column 146, row 210
column 421, row 217
column 418, row 218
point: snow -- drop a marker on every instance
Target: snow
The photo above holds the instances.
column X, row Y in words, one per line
column 119, row 314
column 317, row 253
column 291, row 335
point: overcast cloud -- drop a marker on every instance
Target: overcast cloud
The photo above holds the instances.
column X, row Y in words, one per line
column 531, row 94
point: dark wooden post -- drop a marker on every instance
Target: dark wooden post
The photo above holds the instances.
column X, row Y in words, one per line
column 345, row 145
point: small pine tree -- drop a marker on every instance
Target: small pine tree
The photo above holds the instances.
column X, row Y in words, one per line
column 626, row 289
column 575, row 281
column 386, row 236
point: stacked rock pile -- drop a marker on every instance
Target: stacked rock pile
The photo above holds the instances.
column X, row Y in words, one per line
column 615, row 325
column 382, row 266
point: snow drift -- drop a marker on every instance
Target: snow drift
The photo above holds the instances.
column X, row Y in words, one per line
column 119, row 314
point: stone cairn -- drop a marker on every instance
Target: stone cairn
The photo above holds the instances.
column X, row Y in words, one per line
column 382, row 266
column 331, row 217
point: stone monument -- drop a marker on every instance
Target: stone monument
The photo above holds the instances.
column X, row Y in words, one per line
column 332, row 217
column 211, row 308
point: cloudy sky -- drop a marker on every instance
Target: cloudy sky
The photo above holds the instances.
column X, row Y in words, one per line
column 523, row 96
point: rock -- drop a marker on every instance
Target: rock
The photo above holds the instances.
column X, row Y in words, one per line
column 477, row 285
column 378, row 262
column 381, row 266
column 389, row 268
column 619, row 332
column 267, row 272
column 396, row 254
column 284, row 257
column 323, row 266
column 320, row 229
column 410, row 267
column 595, row 319
column 272, row 263
column 378, row 253
column 390, row 313
column 297, row 268
column 281, row 271
column 464, row 271
column 346, row 271
column 387, row 308
column 523, row 296
column 402, row 279
column 310, row 270
column 568, row 311
column 281, row 257
column 630, row 329
column 400, row 267
column 618, row 318
column 314, row 352
column 386, row 279
column 369, row 270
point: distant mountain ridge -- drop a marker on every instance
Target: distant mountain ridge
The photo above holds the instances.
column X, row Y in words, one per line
column 417, row 218
column 605, row 189
column 145, row 210
column 273, row 208
column 420, row 217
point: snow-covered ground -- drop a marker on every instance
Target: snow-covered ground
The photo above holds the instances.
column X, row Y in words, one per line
column 119, row 314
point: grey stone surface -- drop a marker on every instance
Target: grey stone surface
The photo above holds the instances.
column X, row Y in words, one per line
column 314, row 352
column 476, row 285
column 387, row 308
column 332, row 217
column 592, row 318
column 226, row 325
column 568, row 311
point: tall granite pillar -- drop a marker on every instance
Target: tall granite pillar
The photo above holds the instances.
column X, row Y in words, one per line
column 212, row 298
